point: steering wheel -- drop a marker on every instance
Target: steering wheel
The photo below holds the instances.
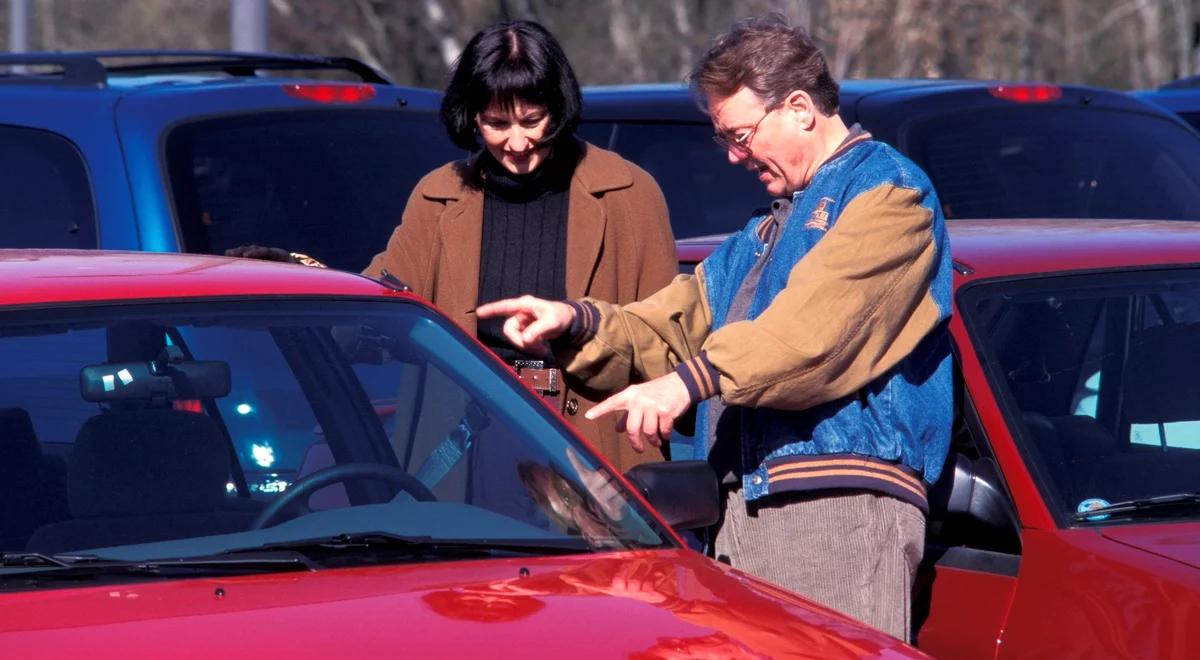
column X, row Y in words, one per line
column 300, row 490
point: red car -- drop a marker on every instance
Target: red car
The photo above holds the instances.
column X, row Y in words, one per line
column 1067, row 523
column 210, row 457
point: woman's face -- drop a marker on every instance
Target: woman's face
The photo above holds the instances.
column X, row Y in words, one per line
column 513, row 136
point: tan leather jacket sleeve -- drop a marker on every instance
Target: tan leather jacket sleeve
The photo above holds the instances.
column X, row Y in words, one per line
column 853, row 307
column 617, row 345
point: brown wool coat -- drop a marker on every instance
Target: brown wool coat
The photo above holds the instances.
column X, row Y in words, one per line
column 619, row 249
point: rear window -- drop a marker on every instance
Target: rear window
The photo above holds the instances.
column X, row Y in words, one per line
column 705, row 194
column 332, row 185
column 45, row 196
column 1055, row 162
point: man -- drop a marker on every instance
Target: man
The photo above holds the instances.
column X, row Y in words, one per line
column 814, row 340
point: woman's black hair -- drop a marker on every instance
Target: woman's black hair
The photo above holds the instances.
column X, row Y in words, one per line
column 505, row 63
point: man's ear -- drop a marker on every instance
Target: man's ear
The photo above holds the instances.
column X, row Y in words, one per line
column 802, row 107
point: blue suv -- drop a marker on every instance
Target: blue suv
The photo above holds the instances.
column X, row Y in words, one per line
column 992, row 149
column 1181, row 97
column 196, row 151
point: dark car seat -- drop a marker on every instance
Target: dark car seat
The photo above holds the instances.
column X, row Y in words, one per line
column 1159, row 386
column 142, row 476
column 32, row 485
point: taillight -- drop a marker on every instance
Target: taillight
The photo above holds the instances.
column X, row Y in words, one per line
column 331, row 93
column 1026, row 93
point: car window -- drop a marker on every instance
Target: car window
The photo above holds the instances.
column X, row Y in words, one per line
column 187, row 429
column 1096, row 372
column 705, row 194
column 45, row 194
column 332, row 185
column 1192, row 118
column 1054, row 162
column 597, row 133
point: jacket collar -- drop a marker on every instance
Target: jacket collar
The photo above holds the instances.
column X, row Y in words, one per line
column 599, row 171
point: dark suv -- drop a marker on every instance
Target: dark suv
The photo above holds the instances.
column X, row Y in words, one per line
column 992, row 150
column 201, row 151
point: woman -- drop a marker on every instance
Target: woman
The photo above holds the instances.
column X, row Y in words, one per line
column 533, row 211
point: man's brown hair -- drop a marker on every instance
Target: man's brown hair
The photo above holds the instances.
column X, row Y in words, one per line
column 771, row 58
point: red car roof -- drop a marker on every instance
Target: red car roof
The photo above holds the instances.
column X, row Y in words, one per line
column 997, row 248
column 46, row 276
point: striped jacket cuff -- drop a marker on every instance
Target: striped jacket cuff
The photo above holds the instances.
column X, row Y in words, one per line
column 703, row 381
column 586, row 323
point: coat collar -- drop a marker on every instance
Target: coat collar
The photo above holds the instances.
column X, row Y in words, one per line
column 598, row 172
column 461, row 226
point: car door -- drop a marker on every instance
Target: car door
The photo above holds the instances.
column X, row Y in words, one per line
column 968, row 559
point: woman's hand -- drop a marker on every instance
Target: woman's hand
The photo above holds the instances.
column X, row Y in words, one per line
column 261, row 252
column 531, row 322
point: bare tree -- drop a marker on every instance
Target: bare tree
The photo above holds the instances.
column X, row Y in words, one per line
column 1119, row 43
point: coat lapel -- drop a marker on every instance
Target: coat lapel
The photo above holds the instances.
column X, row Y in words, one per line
column 458, row 282
column 598, row 172
column 585, row 237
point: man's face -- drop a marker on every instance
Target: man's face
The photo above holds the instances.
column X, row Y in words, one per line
column 775, row 143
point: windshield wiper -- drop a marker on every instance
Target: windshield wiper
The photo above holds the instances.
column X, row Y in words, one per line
column 77, row 566
column 427, row 546
column 11, row 559
column 1131, row 507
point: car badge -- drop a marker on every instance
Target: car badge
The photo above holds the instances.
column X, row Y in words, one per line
column 819, row 218
column 1091, row 504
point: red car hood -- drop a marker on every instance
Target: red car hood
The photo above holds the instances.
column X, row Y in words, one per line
column 646, row 604
column 1180, row 542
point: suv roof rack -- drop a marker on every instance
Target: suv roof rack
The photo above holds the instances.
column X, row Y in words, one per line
column 1191, row 82
column 86, row 68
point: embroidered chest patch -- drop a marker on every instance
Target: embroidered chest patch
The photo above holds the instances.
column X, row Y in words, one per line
column 819, row 218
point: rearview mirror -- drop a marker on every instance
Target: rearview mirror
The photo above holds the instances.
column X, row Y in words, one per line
column 166, row 379
column 683, row 492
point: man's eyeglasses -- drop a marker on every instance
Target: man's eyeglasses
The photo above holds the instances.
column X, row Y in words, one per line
column 740, row 145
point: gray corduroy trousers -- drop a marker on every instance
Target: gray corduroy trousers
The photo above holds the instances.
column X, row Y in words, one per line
column 856, row 552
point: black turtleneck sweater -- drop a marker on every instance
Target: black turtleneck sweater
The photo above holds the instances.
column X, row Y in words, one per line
column 524, row 246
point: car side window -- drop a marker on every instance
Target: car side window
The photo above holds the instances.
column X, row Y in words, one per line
column 45, row 195
column 1168, row 308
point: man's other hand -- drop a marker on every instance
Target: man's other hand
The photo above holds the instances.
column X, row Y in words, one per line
column 650, row 408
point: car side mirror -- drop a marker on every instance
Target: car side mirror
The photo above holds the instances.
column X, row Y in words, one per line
column 684, row 493
column 972, row 488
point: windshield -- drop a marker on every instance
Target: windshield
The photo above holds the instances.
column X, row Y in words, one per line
column 330, row 184
column 182, row 430
column 1097, row 374
column 1057, row 162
